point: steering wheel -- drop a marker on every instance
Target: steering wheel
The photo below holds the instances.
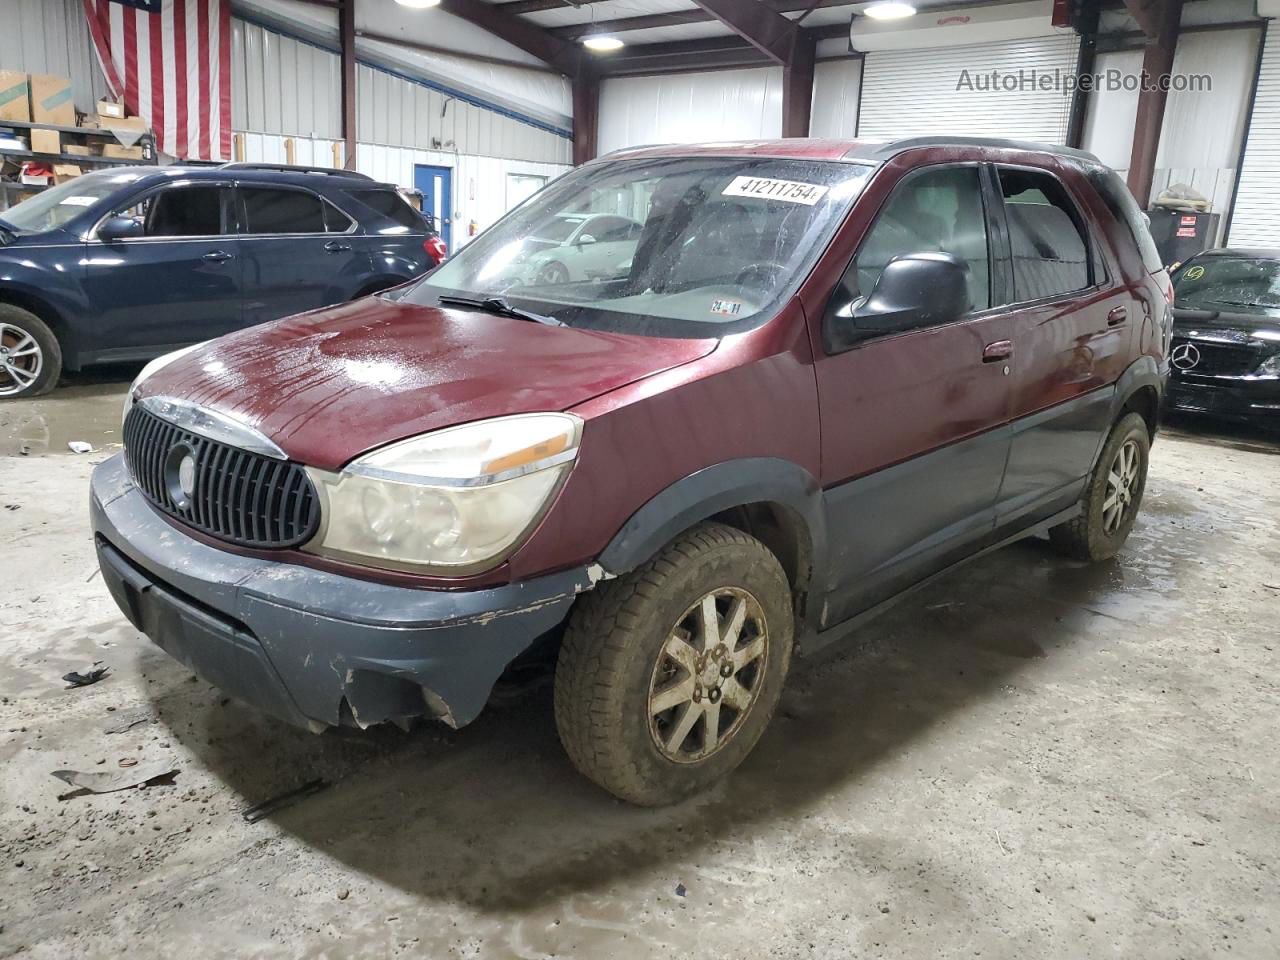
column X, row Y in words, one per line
column 760, row 275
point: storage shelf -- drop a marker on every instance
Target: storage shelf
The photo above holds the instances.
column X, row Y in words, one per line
column 78, row 158
column 85, row 131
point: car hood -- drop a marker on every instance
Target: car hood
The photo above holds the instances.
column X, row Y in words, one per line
column 329, row 385
column 1227, row 324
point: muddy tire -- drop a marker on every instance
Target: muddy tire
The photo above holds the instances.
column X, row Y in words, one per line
column 668, row 676
column 30, row 357
column 1112, row 498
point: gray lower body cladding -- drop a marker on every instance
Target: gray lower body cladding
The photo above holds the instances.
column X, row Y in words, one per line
column 299, row 642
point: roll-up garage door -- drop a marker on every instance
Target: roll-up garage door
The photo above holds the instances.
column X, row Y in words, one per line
column 909, row 93
column 1255, row 221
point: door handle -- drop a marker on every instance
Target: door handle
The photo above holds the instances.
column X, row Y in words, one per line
column 997, row 351
column 1117, row 316
column 333, row 246
column 217, row 256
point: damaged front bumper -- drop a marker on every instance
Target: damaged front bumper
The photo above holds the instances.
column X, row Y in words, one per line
column 300, row 643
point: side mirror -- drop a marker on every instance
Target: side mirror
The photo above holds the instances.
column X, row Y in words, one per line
column 915, row 290
column 584, row 239
column 120, row 228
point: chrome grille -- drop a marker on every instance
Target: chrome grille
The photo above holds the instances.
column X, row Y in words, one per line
column 237, row 496
column 1221, row 359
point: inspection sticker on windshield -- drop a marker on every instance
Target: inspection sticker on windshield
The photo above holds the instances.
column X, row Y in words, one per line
column 79, row 201
column 790, row 191
column 726, row 308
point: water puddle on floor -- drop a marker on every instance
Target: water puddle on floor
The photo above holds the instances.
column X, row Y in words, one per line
column 46, row 425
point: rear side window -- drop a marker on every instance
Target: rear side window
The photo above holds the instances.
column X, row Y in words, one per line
column 391, row 205
column 1047, row 238
column 1115, row 194
column 282, row 211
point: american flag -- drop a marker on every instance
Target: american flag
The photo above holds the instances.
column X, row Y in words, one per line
column 170, row 61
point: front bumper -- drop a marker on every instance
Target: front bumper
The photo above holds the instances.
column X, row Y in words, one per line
column 299, row 643
column 1239, row 398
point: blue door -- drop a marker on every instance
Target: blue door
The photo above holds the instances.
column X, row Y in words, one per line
column 436, row 184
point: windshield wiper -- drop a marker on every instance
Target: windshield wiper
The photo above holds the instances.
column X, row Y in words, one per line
column 499, row 306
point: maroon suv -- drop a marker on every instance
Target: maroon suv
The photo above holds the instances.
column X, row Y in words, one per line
column 801, row 378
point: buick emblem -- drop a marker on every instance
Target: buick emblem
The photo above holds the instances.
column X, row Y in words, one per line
column 187, row 475
column 180, row 474
column 1185, row 356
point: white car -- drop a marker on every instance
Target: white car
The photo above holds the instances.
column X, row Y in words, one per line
column 581, row 246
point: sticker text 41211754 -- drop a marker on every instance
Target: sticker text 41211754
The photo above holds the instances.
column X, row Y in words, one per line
column 766, row 188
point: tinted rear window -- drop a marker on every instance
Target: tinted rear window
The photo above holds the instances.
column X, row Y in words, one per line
column 1120, row 202
column 391, row 205
column 282, row 211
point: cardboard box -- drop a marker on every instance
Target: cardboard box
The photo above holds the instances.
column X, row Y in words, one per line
column 111, row 108
column 51, row 100
column 62, row 172
column 124, row 153
column 80, row 150
column 123, row 124
column 45, row 141
column 15, row 96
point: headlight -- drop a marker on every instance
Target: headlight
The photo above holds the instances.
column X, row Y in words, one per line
column 451, row 502
column 156, row 365
column 1270, row 366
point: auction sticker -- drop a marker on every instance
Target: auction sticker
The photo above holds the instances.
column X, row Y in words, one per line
column 789, row 191
column 79, row 201
column 1195, row 273
column 726, row 308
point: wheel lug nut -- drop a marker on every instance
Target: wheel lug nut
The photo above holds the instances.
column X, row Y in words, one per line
column 726, row 670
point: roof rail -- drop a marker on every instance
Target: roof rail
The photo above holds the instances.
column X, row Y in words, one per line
column 294, row 168
column 886, row 149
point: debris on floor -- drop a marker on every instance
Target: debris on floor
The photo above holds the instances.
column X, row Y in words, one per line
column 79, row 446
column 286, row 799
column 128, row 720
column 137, row 776
column 88, row 678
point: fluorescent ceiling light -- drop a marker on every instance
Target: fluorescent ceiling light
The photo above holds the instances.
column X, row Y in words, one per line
column 602, row 42
column 888, row 10
column 419, row 4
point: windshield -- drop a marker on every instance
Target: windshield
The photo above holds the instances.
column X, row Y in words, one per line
column 51, row 208
column 679, row 247
column 1216, row 282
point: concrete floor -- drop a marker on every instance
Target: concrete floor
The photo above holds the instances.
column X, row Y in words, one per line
column 1030, row 758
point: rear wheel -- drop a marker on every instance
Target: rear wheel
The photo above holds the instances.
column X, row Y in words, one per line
column 668, row 676
column 30, row 358
column 1112, row 497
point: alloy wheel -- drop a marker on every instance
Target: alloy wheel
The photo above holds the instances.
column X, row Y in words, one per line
column 1122, row 486
column 707, row 675
column 21, row 360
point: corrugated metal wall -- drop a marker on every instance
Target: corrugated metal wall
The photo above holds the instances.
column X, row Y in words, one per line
column 398, row 112
column 691, row 107
column 282, row 85
column 51, row 36
column 836, row 94
column 285, row 86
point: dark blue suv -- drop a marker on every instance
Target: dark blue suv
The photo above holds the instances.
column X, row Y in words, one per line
column 129, row 263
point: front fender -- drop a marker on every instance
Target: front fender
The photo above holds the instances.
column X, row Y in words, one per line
column 51, row 288
column 713, row 490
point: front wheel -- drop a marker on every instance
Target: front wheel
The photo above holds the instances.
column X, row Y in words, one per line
column 668, row 676
column 30, row 358
column 1110, row 503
